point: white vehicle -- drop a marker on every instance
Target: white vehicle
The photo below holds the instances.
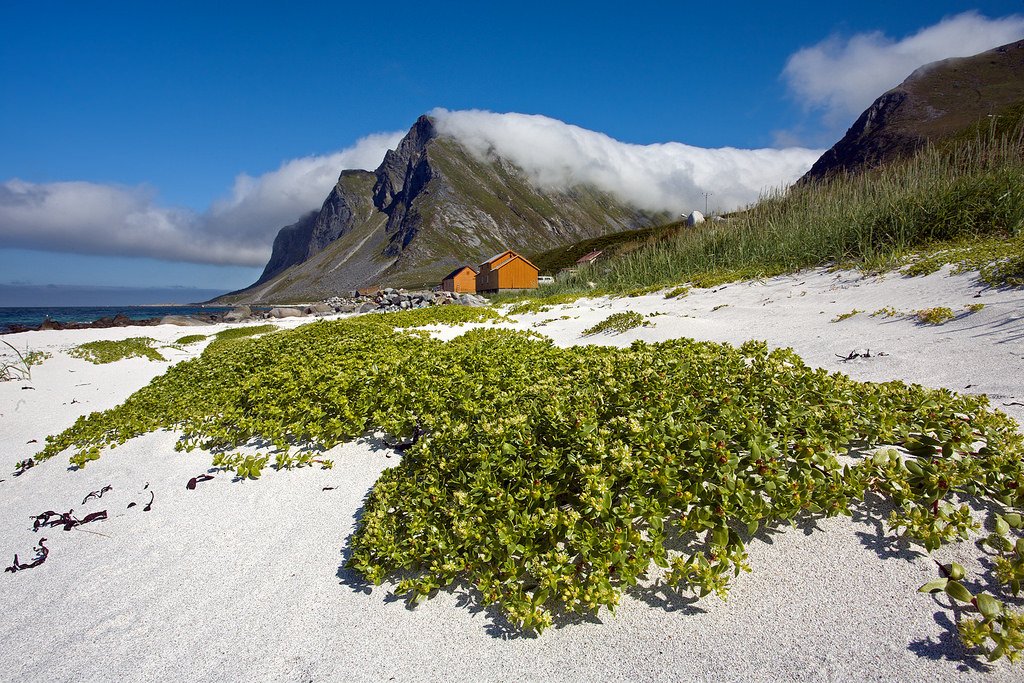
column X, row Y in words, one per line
column 545, row 280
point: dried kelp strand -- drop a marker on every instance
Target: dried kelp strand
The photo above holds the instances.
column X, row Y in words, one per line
column 191, row 485
column 97, row 494
column 64, row 519
column 41, row 553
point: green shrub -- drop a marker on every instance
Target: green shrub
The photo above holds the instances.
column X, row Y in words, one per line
column 551, row 479
column 618, row 323
column 232, row 334
column 190, row 339
column 100, row 352
column 935, row 316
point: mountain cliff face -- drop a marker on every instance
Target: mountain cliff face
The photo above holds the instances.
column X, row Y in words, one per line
column 935, row 102
column 430, row 206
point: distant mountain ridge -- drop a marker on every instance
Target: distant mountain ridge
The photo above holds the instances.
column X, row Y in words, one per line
column 429, row 207
column 935, row 102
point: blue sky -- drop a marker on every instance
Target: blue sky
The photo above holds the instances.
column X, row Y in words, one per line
column 175, row 101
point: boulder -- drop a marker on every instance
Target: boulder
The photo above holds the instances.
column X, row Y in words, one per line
column 238, row 313
column 181, row 321
column 367, row 307
column 285, row 312
column 695, row 218
column 319, row 309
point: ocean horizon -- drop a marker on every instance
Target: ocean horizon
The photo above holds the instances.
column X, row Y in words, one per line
column 33, row 316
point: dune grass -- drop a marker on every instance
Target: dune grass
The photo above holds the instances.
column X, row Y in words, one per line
column 946, row 201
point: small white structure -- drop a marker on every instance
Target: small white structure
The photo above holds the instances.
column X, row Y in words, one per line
column 695, row 218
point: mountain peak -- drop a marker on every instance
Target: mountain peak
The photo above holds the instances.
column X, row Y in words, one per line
column 430, row 206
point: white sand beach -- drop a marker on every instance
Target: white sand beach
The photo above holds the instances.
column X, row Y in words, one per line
column 246, row 580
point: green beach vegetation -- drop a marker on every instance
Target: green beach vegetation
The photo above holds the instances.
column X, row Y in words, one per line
column 100, row 352
column 617, row 323
column 935, row 316
column 553, row 479
column 844, row 316
column 17, row 365
column 233, row 333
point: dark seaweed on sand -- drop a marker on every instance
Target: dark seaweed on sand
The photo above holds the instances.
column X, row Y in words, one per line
column 41, row 553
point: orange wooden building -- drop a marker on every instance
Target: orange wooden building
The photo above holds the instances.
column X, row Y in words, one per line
column 461, row 280
column 507, row 270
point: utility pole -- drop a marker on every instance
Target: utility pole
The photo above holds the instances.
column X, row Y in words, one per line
column 706, row 195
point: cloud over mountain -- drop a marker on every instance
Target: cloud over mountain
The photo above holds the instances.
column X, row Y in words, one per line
column 840, row 77
column 96, row 218
column 660, row 177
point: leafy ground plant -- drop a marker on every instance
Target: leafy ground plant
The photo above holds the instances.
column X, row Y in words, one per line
column 100, row 352
column 617, row 323
column 552, row 479
column 233, row 333
column 843, row 316
column 190, row 339
column 935, row 316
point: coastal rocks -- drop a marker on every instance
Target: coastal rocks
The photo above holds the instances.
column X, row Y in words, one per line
column 237, row 314
column 390, row 299
column 181, row 321
column 318, row 309
column 285, row 312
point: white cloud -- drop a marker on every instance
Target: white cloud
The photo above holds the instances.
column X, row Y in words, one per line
column 841, row 77
column 94, row 218
column 660, row 177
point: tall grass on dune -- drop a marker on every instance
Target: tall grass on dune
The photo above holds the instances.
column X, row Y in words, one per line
column 953, row 193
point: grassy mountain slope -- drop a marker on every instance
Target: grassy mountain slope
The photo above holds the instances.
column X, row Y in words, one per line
column 936, row 102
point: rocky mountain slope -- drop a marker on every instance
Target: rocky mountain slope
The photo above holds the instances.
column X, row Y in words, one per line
column 935, row 102
column 430, row 206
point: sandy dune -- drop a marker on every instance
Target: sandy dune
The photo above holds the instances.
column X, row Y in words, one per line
column 245, row 580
